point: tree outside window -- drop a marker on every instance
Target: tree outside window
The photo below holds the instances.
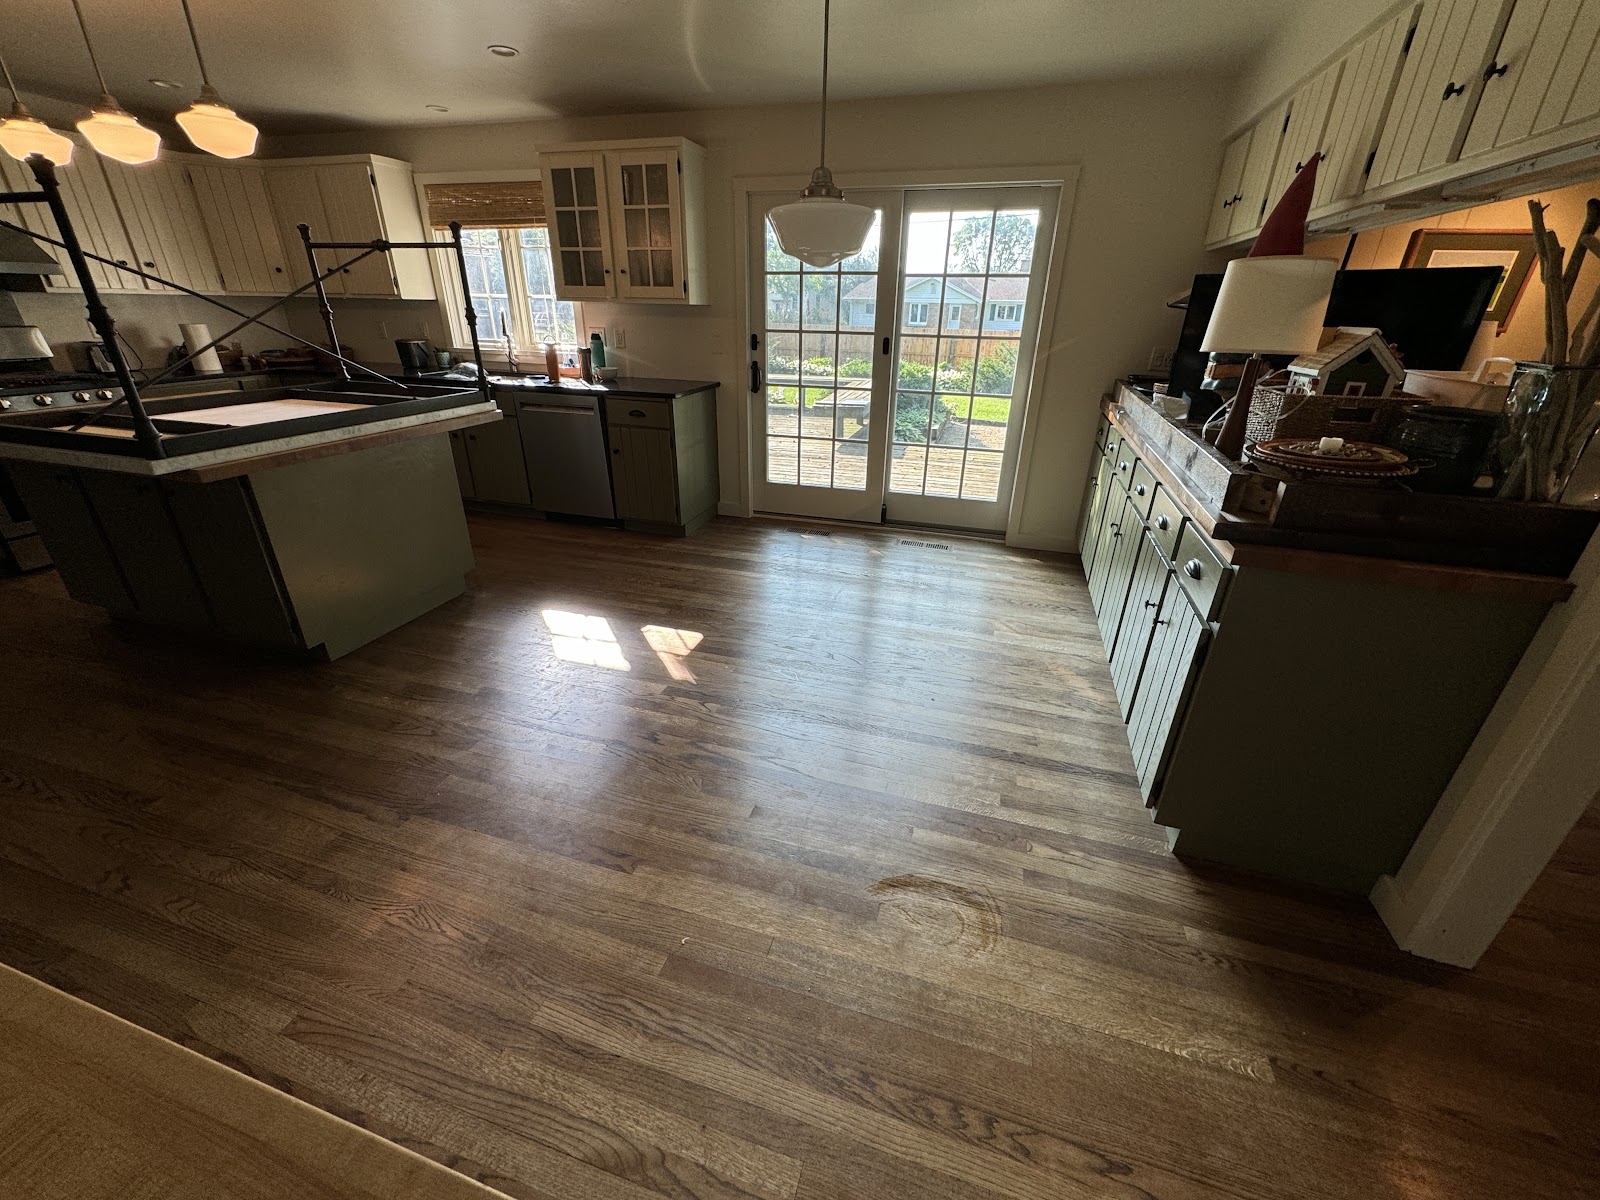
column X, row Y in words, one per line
column 511, row 283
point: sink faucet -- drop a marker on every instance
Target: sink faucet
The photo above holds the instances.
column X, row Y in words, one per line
column 511, row 346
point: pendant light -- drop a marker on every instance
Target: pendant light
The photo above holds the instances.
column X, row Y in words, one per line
column 211, row 125
column 22, row 133
column 820, row 228
column 110, row 130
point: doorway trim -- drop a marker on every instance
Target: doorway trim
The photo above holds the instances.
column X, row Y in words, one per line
column 1062, row 175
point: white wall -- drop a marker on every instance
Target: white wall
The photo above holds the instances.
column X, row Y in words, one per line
column 1148, row 158
column 147, row 324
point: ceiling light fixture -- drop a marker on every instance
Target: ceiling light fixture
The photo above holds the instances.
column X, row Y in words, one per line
column 820, row 228
column 22, row 133
column 110, row 130
column 211, row 124
column 503, row 50
column 170, row 84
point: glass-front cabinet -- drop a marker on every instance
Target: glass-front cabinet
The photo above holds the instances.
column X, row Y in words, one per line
column 626, row 220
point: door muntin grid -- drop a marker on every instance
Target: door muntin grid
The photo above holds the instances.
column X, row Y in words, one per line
column 819, row 330
column 575, row 203
column 965, row 288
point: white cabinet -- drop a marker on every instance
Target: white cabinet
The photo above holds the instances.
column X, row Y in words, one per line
column 356, row 198
column 1545, row 74
column 1308, row 121
column 627, row 220
column 1228, row 195
column 162, row 220
column 237, row 214
column 1439, row 86
column 1371, row 71
column 87, row 198
column 1266, row 145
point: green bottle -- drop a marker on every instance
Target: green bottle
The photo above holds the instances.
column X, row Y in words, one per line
column 597, row 350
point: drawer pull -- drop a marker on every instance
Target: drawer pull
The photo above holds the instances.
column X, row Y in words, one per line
column 1193, row 568
column 636, row 412
column 1163, row 524
column 1139, row 489
column 1123, row 466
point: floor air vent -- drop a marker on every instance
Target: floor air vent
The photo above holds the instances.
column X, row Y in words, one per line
column 924, row 545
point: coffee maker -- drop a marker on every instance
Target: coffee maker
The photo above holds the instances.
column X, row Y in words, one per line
column 416, row 356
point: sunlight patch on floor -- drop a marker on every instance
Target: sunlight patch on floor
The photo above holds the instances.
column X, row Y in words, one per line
column 585, row 640
column 672, row 646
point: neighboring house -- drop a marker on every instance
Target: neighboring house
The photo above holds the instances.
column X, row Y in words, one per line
column 1355, row 361
column 924, row 311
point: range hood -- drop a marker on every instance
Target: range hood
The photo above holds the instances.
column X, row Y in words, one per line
column 21, row 255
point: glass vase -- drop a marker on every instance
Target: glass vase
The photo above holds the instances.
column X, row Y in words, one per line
column 1551, row 414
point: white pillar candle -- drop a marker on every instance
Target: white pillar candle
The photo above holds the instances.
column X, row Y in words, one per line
column 1330, row 445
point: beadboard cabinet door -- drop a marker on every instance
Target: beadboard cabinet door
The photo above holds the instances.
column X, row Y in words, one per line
column 237, row 214
column 1308, row 122
column 1228, row 194
column 88, row 201
column 1151, row 575
column 643, row 475
column 1266, row 144
column 1545, row 74
column 1126, row 533
column 1177, row 648
column 297, row 200
column 1440, row 84
column 165, row 230
column 1366, row 90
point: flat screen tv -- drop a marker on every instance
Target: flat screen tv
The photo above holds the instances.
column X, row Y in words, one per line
column 1431, row 314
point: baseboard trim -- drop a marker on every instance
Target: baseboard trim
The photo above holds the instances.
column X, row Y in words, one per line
column 1037, row 541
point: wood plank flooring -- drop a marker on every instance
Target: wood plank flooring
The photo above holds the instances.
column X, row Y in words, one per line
column 772, row 863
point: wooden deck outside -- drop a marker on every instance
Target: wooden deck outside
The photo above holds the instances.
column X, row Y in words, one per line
column 815, row 450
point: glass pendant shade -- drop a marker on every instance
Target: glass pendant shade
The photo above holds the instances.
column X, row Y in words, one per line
column 22, row 134
column 821, row 230
column 215, row 128
column 118, row 134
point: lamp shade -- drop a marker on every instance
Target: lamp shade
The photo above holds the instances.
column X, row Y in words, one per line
column 821, row 230
column 22, row 134
column 215, row 128
column 1271, row 305
column 118, row 134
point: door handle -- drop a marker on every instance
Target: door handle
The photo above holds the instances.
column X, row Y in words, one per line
column 886, row 345
column 755, row 376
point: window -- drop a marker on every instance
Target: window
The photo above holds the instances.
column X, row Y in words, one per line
column 916, row 314
column 510, row 278
column 1005, row 312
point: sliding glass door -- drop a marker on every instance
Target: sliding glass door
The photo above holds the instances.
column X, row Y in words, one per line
column 892, row 387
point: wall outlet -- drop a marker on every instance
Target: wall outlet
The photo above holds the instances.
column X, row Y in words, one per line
column 618, row 338
column 1160, row 359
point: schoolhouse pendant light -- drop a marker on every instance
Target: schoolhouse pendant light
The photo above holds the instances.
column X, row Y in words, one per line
column 110, row 130
column 821, row 228
column 22, row 133
column 211, row 125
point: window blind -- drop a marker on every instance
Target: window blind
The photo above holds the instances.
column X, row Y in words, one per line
column 485, row 205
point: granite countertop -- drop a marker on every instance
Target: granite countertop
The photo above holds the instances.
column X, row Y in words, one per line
column 638, row 387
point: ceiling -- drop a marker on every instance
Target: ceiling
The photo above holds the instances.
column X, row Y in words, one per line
column 303, row 65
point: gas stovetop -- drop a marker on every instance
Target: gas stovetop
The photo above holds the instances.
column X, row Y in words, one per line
column 31, row 391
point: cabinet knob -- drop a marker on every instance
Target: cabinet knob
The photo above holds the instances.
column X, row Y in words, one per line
column 618, row 450
column 1453, row 89
column 1193, row 568
column 1139, row 489
column 150, row 265
column 277, row 270
column 1163, row 524
column 1495, row 69
column 1123, row 466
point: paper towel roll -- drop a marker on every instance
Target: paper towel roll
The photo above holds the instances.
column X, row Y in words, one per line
column 195, row 336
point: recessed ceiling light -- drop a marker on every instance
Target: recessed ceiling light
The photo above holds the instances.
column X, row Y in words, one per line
column 503, row 50
column 167, row 83
column 435, row 108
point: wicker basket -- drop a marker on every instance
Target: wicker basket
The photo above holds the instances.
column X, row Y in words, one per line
column 1276, row 414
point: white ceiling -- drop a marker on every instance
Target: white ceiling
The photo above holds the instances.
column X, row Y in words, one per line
column 300, row 65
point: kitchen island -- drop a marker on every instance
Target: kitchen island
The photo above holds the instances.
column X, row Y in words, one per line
column 310, row 520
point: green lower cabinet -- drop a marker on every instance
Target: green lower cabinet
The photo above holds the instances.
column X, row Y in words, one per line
column 1139, row 621
column 494, row 457
column 642, row 475
column 664, row 461
column 458, row 453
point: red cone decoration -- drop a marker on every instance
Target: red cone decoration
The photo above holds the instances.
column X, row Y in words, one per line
column 1285, row 230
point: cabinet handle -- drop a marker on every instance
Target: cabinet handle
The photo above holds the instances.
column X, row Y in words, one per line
column 618, row 450
column 1453, row 89
column 1236, row 198
column 1227, row 204
column 1495, row 69
column 636, row 412
column 1163, row 524
column 1152, row 604
column 1160, row 622
column 1193, row 569
column 150, row 265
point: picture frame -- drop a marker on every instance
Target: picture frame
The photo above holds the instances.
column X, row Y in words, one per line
column 1514, row 250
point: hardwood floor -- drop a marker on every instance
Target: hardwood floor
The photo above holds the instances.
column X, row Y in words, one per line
column 768, row 863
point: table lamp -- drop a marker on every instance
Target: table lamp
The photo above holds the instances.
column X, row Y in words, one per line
column 1274, row 304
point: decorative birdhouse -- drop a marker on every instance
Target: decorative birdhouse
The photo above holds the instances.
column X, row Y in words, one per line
column 1353, row 361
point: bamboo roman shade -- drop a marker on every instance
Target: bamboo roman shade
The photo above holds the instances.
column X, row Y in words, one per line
column 486, row 205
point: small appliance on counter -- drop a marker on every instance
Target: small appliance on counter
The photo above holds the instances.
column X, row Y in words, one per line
column 416, row 355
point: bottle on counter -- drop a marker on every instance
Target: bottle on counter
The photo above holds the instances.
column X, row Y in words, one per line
column 585, row 364
column 552, row 362
column 597, row 351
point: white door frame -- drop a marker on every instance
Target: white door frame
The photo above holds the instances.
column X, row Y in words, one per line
column 1064, row 175
column 1529, row 775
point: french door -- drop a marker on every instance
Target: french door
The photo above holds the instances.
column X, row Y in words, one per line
column 892, row 387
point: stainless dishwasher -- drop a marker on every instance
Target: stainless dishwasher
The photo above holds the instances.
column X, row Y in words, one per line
column 564, row 443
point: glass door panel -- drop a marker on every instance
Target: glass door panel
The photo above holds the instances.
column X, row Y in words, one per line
column 972, row 282
column 823, row 381
column 647, row 232
column 575, row 201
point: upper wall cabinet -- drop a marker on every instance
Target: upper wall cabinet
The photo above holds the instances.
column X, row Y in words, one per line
column 163, row 223
column 87, row 197
column 627, row 220
column 354, row 198
column 1248, row 164
column 1443, row 77
column 237, row 214
column 1228, row 194
column 1308, row 122
column 1369, row 73
column 1545, row 74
